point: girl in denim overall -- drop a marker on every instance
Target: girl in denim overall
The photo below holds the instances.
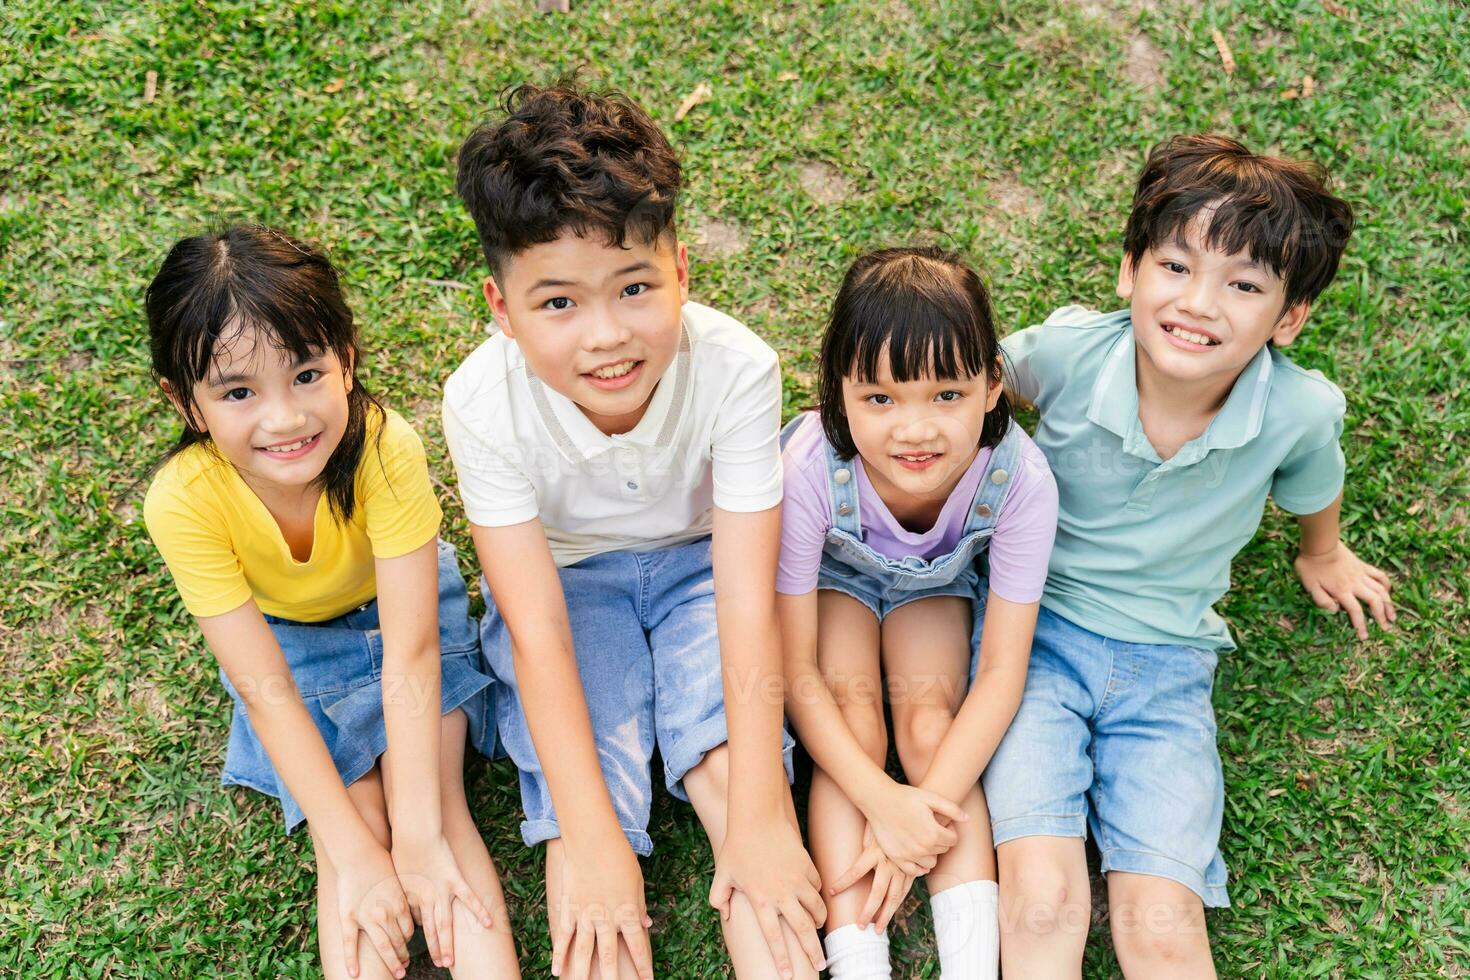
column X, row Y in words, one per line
column 298, row 521
column 917, row 523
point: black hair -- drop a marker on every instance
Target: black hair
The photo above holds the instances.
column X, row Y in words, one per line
column 929, row 312
column 213, row 286
column 1277, row 210
column 565, row 159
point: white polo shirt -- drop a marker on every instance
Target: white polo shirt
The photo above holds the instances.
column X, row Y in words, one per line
column 710, row 438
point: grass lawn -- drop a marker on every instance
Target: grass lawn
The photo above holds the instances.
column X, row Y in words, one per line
column 1008, row 130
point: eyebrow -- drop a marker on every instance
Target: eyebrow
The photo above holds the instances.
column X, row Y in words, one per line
column 236, row 377
column 558, row 283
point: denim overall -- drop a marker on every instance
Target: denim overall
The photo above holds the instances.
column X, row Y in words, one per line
column 883, row 584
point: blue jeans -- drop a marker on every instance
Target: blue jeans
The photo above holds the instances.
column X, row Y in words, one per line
column 337, row 668
column 648, row 652
column 1118, row 738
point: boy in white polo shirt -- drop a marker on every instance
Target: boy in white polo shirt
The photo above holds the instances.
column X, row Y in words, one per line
column 1166, row 425
column 617, row 450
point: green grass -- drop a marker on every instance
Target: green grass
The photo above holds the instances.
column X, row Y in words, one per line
column 1008, row 130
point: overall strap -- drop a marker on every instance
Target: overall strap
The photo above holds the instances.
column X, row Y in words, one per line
column 842, row 491
column 996, row 481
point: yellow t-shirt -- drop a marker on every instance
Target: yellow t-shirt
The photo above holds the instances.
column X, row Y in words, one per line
column 222, row 545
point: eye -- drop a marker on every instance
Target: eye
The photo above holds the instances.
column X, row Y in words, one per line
column 558, row 303
column 236, row 394
column 949, row 396
column 878, row 400
column 1175, row 267
column 1248, row 287
column 308, row 376
column 635, row 289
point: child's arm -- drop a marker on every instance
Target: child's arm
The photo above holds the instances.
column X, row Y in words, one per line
column 603, row 890
column 408, row 611
column 1336, row 578
column 994, row 696
column 367, row 884
column 762, row 855
column 904, row 818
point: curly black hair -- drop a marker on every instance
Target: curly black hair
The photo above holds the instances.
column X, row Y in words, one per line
column 566, row 159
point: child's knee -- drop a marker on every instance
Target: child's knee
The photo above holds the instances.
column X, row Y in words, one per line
column 1162, row 943
column 1041, row 892
column 920, row 734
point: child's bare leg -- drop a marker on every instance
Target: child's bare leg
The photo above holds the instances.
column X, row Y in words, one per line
column 555, row 860
column 926, row 661
column 367, row 795
column 1045, row 905
column 1158, row 928
column 478, row 952
column 847, row 654
column 708, row 786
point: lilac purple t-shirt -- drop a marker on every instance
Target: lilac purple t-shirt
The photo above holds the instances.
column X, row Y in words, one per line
column 1020, row 547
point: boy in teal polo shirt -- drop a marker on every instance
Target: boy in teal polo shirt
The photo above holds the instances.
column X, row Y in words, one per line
column 1167, row 425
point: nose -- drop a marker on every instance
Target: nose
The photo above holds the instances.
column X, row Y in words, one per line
column 917, row 428
column 282, row 416
column 604, row 332
column 1198, row 298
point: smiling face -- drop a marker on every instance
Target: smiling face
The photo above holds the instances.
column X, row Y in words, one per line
column 916, row 438
column 597, row 323
column 277, row 419
column 1201, row 315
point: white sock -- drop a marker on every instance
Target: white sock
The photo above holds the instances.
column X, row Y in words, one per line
column 967, row 931
column 857, row 954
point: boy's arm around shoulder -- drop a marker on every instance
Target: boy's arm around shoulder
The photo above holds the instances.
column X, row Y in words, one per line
column 1036, row 359
column 603, row 884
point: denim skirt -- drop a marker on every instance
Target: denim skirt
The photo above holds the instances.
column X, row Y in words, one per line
column 337, row 667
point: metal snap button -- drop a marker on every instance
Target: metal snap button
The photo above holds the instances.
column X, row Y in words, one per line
column 842, row 476
column 983, row 510
column 999, row 477
column 632, row 485
column 844, row 510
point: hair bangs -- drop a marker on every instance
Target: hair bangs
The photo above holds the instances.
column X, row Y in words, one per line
column 918, row 338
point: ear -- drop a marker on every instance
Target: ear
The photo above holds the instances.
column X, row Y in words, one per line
column 181, row 408
column 1290, row 324
column 997, row 386
column 681, row 268
column 348, row 368
column 1126, row 269
column 498, row 307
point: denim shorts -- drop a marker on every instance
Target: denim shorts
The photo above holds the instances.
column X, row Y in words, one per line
column 1118, row 738
column 882, row 595
column 337, row 667
column 648, row 651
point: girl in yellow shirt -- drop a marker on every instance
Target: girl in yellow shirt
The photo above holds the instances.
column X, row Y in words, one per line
column 297, row 519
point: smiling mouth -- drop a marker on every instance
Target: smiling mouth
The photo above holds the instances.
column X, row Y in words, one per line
column 916, row 461
column 609, row 371
column 1190, row 336
column 290, row 448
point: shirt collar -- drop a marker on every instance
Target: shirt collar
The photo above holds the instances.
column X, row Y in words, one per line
column 1114, row 404
column 579, row 440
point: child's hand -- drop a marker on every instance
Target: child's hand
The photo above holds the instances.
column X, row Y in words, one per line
column 432, row 882
column 1339, row 579
column 909, row 825
column 890, row 887
column 775, row 873
column 370, row 900
column 601, row 904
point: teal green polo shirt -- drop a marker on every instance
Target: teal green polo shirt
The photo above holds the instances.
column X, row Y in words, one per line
column 1144, row 545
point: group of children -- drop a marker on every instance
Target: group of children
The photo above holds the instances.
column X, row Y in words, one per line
column 664, row 566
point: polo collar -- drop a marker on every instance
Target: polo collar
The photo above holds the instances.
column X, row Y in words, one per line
column 579, row 440
column 1114, row 403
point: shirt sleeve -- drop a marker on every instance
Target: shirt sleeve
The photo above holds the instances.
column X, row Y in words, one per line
column 805, row 521
column 1019, row 350
column 1020, row 548
column 1311, row 477
column 746, row 443
column 396, row 495
column 496, row 493
column 196, row 548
